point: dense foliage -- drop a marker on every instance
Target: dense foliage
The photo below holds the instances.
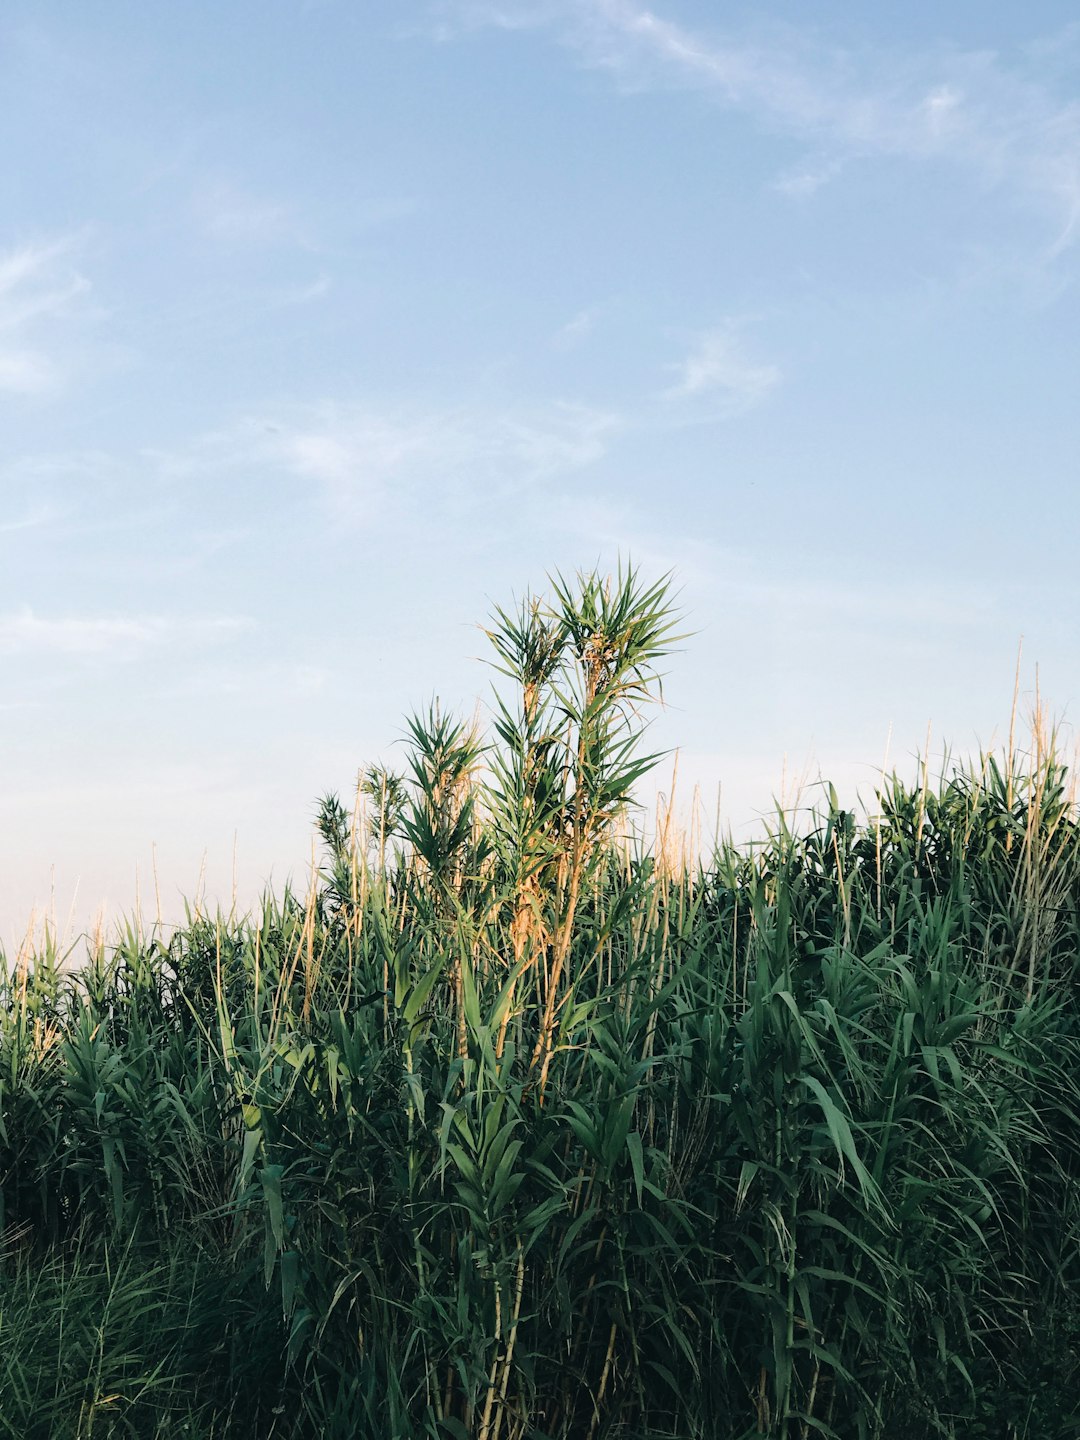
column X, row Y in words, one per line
column 515, row 1129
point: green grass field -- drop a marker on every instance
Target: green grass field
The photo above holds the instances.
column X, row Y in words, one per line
column 516, row 1128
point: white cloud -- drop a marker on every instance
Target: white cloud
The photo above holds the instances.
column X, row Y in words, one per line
column 717, row 367
column 805, row 180
column 455, row 455
column 1004, row 125
column 31, row 520
column 575, row 330
column 318, row 289
column 361, row 459
column 39, row 286
column 450, row 16
column 940, row 107
column 22, row 372
column 236, row 217
column 117, row 637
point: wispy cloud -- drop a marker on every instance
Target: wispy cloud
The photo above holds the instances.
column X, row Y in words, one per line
column 577, row 329
column 361, row 459
column 448, row 17
column 317, row 289
column 439, row 457
column 718, row 369
column 804, row 180
column 23, row 372
column 1002, row 122
column 30, row 520
column 39, row 286
column 236, row 217
column 110, row 636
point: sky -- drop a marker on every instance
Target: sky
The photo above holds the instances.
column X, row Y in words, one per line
column 328, row 326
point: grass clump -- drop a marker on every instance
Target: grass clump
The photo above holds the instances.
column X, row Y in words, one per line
column 511, row 1128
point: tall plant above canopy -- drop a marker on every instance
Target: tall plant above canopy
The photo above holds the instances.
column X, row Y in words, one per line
column 517, row 826
column 584, row 664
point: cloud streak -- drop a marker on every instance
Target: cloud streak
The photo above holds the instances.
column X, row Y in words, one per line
column 717, row 369
column 39, row 286
column 362, row 459
column 31, row 520
column 109, row 637
column 446, row 459
column 1005, row 125
column 235, row 217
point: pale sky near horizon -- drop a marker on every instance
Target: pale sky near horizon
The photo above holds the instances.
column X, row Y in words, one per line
column 327, row 326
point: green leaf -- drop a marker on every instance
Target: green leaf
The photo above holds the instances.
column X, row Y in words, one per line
column 637, row 1161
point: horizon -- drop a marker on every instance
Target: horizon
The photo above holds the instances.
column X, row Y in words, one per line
column 660, row 821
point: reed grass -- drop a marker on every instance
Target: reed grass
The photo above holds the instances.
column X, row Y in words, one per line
column 511, row 1128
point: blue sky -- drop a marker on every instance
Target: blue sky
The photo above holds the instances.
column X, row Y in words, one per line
column 324, row 327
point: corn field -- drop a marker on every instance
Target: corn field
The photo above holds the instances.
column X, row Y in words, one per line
column 516, row 1128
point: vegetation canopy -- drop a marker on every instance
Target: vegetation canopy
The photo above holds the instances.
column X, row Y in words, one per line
column 514, row 1128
